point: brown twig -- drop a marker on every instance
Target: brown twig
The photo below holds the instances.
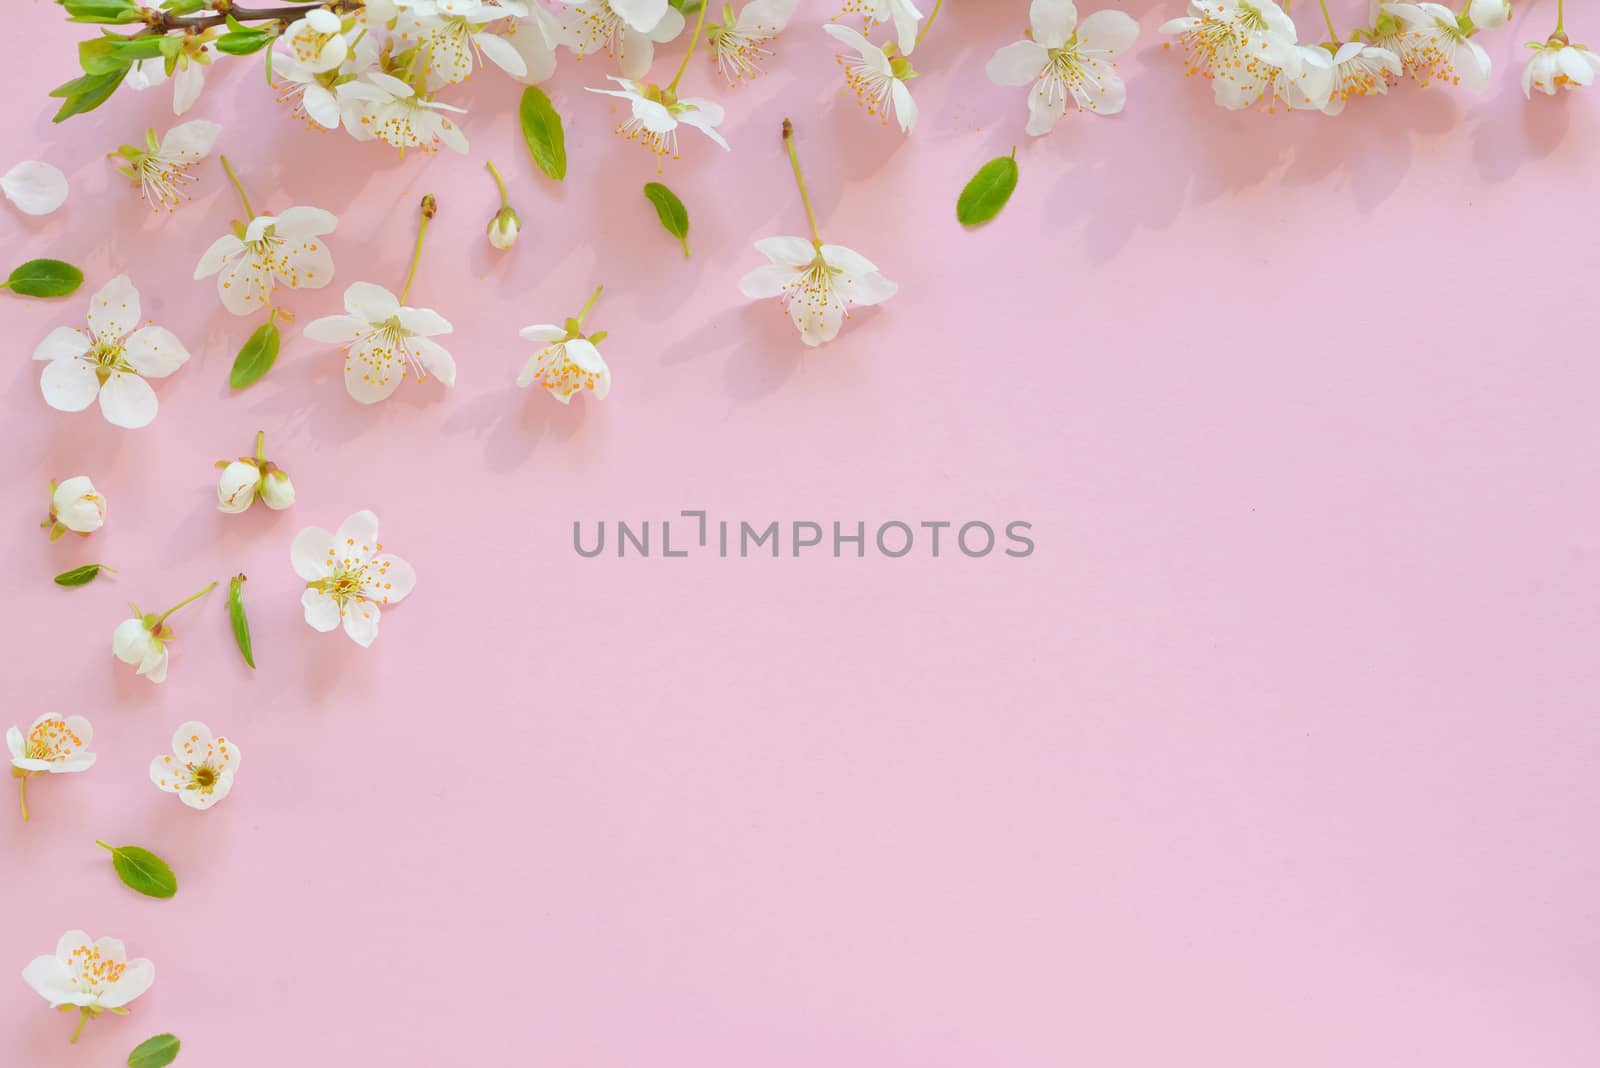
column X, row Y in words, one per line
column 161, row 22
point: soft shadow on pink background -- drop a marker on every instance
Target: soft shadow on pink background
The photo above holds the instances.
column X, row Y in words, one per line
column 1280, row 751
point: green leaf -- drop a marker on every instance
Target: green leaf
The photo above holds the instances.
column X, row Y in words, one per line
column 142, row 870
column 241, row 625
column 80, row 576
column 114, row 11
column 87, row 92
column 541, row 128
column 157, row 1052
column 670, row 210
column 257, row 356
column 988, row 191
column 687, row 7
column 44, row 278
column 245, row 41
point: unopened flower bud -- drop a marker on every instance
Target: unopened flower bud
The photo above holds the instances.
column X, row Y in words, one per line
column 75, row 506
column 277, row 492
column 503, row 229
column 236, row 489
column 1489, row 14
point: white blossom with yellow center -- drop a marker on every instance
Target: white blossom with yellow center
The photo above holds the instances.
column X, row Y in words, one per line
column 877, row 76
column 54, row 744
column 161, row 169
column 1064, row 60
column 628, row 30
column 349, row 577
column 271, row 250
column 655, row 115
column 385, row 342
column 1435, row 44
column 1238, row 45
column 1559, row 64
column 200, row 769
column 816, row 284
column 1360, row 69
column 902, row 13
column 111, row 359
column 94, row 977
column 739, row 43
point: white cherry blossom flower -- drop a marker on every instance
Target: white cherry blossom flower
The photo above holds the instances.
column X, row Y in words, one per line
column 657, row 113
column 628, row 30
column 94, row 977
column 381, row 106
column 200, row 768
column 321, row 98
column 75, row 507
column 816, row 284
column 1307, row 84
column 35, row 188
column 1239, row 45
column 878, row 77
column 317, row 42
column 455, row 37
column 1435, row 47
column 902, row 13
column 284, row 249
column 196, row 52
column 54, row 744
column 161, row 170
column 1062, row 60
column 1360, row 69
column 349, row 577
column 1558, row 64
column 384, row 342
column 568, row 360
column 739, row 43
column 110, row 360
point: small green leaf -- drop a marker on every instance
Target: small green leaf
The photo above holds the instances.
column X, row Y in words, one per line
column 670, row 210
column 541, row 128
column 243, row 42
column 87, row 92
column 257, row 356
column 44, row 278
column 80, row 576
column 988, row 191
column 142, row 870
column 157, row 1052
column 687, row 7
column 241, row 625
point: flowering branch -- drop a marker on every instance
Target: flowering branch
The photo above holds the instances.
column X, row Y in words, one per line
column 223, row 10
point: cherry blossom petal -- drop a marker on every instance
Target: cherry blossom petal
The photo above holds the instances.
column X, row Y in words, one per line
column 361, row 622
column 62, row 343
column 155, row 352
column 221, row 249
column 69, row 385
column 1052, row 21
column 321, row 610
column 128, row 401
column 1018, row 63
column 114, row 310
column 35, row 188
column 435, row 359
column 309, row 553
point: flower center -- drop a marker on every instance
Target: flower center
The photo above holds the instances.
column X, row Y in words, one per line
column 92, row 969
column 51, row 740
column 205, row 777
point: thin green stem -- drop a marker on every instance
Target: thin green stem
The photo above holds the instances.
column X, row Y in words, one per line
column 1333, row 34
column 926, row 26
column 238, row 187
column 191, row 599
column 799, row 180
column 261, row 446
column 22, row 792
column 505, row 202
column 587, row 308
column 83, row 1018
column 688, row 53
column 102, row 845
column 1561, row 16
column 429, row 207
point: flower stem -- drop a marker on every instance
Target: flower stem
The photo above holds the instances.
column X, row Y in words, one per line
column 926, row 26
column 1561, row 15
column 83, row 1018
column 587, row 308
column 22, row 791
column 186, row 601
column 672, row 86
column 505, row 201
column 799, row 180
column 1333, row 34
column 102, row 845
column 429, row 208
column 238, row 187
column 261, row 446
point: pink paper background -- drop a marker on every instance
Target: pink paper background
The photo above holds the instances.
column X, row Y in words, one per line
column 1280, row 751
